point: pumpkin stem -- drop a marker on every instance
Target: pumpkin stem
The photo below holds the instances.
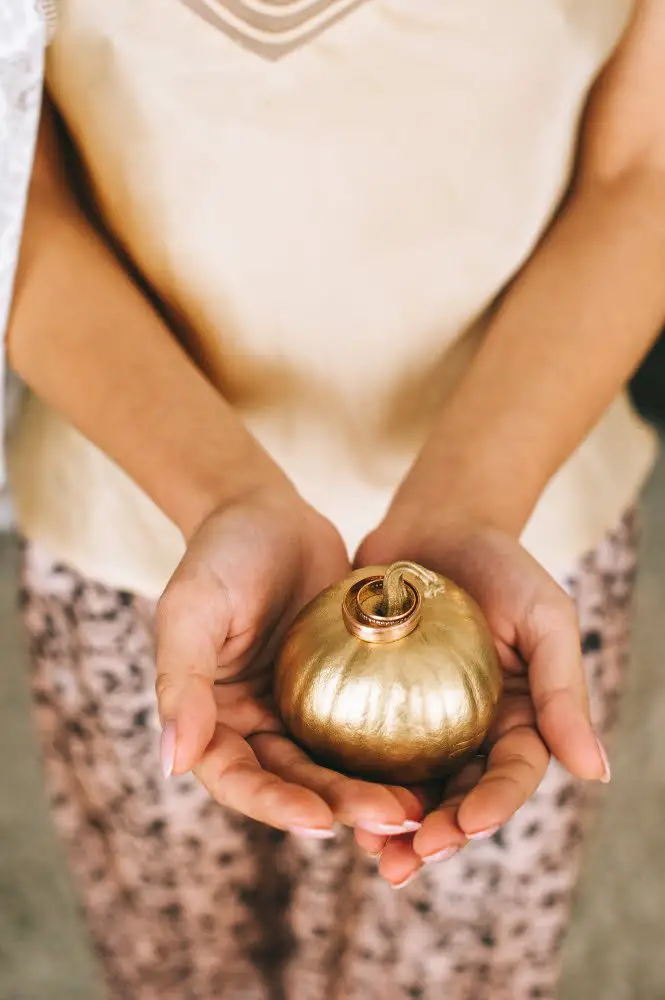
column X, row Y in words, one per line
column 395, row 595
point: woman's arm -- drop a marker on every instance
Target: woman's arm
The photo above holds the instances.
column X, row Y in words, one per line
column 578, row 319
column 568, row 334
column 86, row 340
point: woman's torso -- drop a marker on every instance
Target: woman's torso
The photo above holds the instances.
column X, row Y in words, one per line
column 329, row 196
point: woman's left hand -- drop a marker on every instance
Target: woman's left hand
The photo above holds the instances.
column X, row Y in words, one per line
column 544, row 709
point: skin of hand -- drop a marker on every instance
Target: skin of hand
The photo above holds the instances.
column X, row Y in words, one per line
column 607, row 248
column 592, row 289
column 544, row 709
column 256, row 552
column 248, row 570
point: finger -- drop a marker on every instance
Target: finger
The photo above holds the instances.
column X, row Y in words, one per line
column 353, row 802
column 192, row 623
column 515, row 768
column 511, row 661
column 558, row 689
column 234, row 777
column 428, row 796
column 516, row 709
column 441, row 837
column 399, row 863
column 415, row 801
column 371, row 843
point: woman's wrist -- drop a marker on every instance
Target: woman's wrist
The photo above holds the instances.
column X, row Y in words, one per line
column 456, row 492
column 207, row 488
column 152, row 411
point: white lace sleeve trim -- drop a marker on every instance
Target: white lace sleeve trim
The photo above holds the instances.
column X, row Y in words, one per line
column 48, row 9
column 23, row 36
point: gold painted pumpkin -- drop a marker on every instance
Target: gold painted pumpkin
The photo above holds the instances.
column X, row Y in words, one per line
column 391, row 675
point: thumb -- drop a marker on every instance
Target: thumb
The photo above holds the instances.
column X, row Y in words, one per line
column 559, row 693
column 193, row 619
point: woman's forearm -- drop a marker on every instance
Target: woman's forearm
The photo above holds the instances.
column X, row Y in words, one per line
column 568, row 335
column 577, row 320
column 87, row 341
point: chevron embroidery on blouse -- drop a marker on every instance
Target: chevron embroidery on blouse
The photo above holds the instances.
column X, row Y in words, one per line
column 272, row 28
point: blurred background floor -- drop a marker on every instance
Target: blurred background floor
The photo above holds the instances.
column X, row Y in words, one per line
column 616, row 948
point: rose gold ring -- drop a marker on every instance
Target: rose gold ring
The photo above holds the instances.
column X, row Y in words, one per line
column 372, row 627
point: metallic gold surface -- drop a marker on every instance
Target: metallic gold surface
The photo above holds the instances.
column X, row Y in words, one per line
column 362, row 611
column 377, row 682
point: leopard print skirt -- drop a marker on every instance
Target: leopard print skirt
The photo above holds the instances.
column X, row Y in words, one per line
column 186, row 901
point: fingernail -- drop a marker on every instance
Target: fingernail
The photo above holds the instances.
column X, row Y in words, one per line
column 484, row 834
column 607, row 770
column 167, row 749
column 312, row 832
column 404, row 882
column 444, row 855
column 388, row 830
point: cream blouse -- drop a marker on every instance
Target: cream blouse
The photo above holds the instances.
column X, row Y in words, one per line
column 332, row 193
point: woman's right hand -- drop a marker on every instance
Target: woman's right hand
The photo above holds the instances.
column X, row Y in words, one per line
column 253, row 562
column 248, row 571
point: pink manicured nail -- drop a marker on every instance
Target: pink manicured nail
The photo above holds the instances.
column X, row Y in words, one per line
column 443, row 855
column 388, row 830
column 312, row 832
column 607, row 770
column 484, row 834
column 404, row 882
column 167, row 749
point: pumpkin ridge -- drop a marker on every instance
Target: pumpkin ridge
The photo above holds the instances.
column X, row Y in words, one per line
column 472, row 690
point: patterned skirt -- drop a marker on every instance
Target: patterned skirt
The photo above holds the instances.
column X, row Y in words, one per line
column 187, row 901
